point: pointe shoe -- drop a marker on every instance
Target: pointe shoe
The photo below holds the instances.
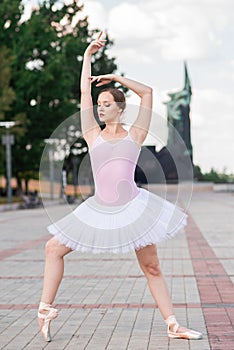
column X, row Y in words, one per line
column 173, row 327
column 48, row 316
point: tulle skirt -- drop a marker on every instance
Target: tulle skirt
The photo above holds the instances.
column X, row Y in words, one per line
column 145, row 220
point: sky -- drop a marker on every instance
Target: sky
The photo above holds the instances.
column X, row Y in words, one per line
column 152, row 39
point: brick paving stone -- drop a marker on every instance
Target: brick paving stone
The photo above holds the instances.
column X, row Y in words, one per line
column 104, row 301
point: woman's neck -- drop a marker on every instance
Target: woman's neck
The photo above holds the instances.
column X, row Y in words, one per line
column 114, row 129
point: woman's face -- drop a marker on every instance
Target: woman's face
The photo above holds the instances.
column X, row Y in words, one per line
column 108, row 109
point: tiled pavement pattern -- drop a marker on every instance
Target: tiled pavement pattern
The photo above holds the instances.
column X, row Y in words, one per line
column 104, row 301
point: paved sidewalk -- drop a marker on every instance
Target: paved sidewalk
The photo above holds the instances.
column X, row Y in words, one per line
column 104, row 300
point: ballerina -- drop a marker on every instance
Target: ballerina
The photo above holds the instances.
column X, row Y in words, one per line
column 120, row 217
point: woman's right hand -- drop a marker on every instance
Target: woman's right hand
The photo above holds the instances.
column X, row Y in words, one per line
column 102, row 79
column 95, row 45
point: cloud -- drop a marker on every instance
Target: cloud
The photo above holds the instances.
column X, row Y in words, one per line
column 176, row 30
column 128, row 21
column 191, row 28
column 131, row 54
column 97, row 14
column 216, row 106
column 212, row 129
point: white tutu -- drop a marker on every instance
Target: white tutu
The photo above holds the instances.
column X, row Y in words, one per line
column 145, row 220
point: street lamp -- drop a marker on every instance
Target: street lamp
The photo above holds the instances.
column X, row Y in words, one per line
column 8, row 140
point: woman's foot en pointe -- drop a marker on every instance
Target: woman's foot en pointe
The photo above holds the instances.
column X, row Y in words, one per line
column 174, row 330
column 45, row 315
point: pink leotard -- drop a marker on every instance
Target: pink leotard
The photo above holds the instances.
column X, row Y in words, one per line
column 113, row 165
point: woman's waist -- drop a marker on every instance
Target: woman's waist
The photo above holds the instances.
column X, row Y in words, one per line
column 118, row 194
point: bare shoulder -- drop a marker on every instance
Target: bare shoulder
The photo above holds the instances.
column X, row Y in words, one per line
column 91, row 135
column 138, row 134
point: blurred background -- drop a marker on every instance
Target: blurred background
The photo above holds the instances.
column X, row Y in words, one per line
column 182, row 49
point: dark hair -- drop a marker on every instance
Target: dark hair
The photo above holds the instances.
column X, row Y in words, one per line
column 118, row 95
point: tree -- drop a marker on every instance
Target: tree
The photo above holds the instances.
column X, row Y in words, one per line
column 7, row 94
column 46, row 58
column 198, row 176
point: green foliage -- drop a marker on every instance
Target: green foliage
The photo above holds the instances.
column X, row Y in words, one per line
column 197, row 173
column 7, row 94
column 213, row 176
column 42, row 60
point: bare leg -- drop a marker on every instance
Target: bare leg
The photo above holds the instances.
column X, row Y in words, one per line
column 54, row 268
column 53, row 273
column 149, row 263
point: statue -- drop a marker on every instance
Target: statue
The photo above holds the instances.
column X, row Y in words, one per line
column 178, row 109
column 174, row 162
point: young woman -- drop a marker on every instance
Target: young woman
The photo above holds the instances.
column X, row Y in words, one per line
column 120, row 216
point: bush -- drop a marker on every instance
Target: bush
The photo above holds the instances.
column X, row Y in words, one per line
column 213, row 176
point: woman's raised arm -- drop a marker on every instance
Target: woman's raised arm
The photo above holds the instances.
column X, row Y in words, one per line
column 89, row 125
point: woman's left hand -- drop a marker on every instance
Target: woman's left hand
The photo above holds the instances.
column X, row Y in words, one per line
column 102, row 79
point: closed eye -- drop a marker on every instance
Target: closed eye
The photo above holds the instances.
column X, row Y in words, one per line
column 106, row 105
